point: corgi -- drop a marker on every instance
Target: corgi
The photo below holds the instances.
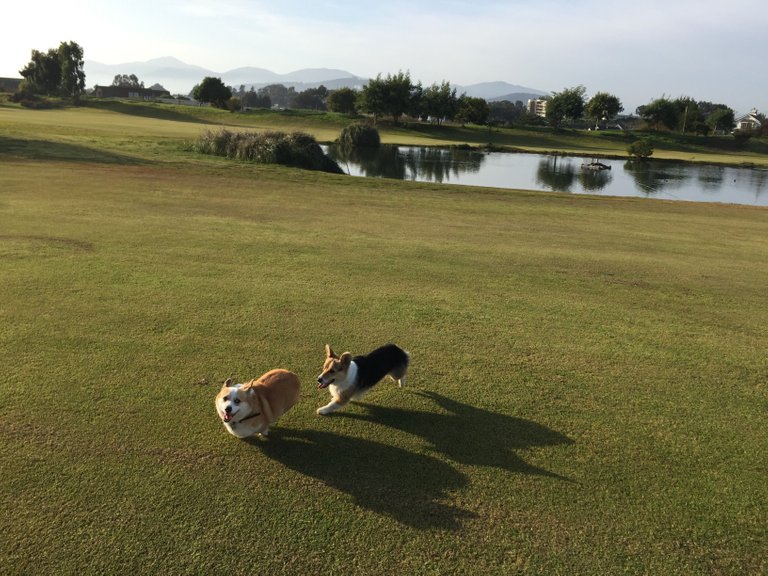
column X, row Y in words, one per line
column 252, row 407
column 348, row 377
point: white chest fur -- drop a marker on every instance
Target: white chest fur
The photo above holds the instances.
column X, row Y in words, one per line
column 243, row 429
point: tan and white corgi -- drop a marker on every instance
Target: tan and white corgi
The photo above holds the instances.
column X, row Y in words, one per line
column 252, row 407
column 348, row 378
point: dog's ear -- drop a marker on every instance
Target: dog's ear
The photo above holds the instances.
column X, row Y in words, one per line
column 229, row 383
column 329, row 353
column 346, row 359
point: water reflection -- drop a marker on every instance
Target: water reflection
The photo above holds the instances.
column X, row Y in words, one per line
column 653, row 178
column 425, row 164
column 711, row 178
column 560, row 174
column 643, row 178
column 595, row 180
column 556, row 173
column 756, row 181
column 383, row 162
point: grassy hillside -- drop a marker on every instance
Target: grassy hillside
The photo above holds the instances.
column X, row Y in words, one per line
column 587, row 393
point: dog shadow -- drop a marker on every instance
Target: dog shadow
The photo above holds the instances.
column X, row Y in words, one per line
column 469, row 435
column 411, row 488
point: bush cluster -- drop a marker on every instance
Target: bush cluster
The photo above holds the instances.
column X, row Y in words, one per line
column 641, row 148
column 359, row 135
column 297, row 149
column 28, row 99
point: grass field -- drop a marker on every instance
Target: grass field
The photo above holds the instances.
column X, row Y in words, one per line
column 587, row 392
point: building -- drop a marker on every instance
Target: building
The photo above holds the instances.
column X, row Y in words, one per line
column 132, row 92
column 748, row 122
column 537, row 107
column 10, row 84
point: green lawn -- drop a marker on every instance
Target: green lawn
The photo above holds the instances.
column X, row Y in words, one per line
column 587, row 392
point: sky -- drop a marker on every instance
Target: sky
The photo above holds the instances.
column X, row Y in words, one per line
column 705, row 49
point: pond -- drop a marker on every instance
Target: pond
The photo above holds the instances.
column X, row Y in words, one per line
column 640, row 178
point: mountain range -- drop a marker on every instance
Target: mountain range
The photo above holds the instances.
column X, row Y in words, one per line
column 179, row 78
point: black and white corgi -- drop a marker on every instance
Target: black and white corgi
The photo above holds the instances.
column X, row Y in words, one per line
column 348, row 378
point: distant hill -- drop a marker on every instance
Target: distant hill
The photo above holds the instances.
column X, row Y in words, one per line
column 493, row 91
column 179, row 78
column 515, row 96
column 174, row 75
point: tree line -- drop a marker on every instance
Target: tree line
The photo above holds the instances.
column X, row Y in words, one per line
column 685, row 114
column 59, row 72
column 394, row 96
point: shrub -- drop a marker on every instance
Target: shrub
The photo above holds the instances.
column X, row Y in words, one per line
column 30, row 100
column 360, row 135
column 296, row 149
column 234, row 104
column 641, row 148
column 742, row 138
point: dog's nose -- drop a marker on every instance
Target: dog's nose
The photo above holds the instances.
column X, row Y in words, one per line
column 228, row 409
column 319, row 379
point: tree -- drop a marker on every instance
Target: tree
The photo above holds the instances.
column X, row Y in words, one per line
column 661, row 111
column 253, row 99
column 473, row 110
column 279, row 95
column 128, row 81
column 212, row 90
column 721, row 119
column 689, row 116
column 603, row 106
column 390, row 96
column 399, row 100
column 43, row 73
column 439, row 102
column 72, row 73
column 58, row 72
column 373, row 97
column 505, row 112
column 567, row 105
column 416, row 101
column 311, row 99
column 343, row 100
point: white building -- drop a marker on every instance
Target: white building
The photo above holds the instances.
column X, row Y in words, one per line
column 537, row 107
column 748, row 122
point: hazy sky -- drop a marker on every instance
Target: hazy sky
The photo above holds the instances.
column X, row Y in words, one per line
column 707, row 49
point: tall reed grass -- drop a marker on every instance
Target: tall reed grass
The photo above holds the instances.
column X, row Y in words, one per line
column 296, row 149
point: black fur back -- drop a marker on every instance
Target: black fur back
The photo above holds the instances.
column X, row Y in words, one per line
column 375, row 365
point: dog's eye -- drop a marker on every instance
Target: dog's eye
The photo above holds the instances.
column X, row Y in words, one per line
column 237, row 400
